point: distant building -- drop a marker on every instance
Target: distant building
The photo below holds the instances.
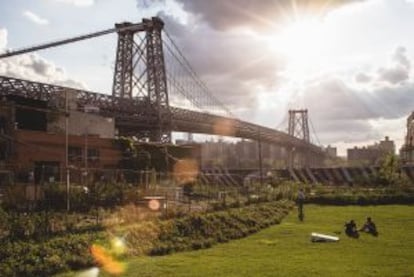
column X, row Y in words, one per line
column 331, row 151
column 387, row 146
column 407, row 150
column 241, row 154
column 371, row 154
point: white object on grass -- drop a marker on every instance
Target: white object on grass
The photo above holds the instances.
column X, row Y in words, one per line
column 316, row 237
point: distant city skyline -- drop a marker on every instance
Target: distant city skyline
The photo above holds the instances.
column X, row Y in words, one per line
column 347, row 62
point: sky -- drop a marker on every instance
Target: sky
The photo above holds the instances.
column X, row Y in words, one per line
column 347, row 61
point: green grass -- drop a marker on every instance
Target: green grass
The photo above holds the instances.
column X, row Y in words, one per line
column 286, row 250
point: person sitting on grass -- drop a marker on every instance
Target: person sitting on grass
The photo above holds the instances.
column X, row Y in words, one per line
column 369, row 227
column 351, row 229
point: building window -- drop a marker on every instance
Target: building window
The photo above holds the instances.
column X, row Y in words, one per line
column 46, row 172
column 74, row 154
column 93, row 154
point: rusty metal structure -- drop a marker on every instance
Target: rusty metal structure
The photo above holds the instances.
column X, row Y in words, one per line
column 298, row 127
column 298, row 124
column 140, row 73
column 145, row 80
column 130, row 122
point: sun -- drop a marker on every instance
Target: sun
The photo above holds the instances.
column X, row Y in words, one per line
column 304, row 42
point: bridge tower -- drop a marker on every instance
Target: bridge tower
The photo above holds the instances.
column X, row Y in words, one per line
column 299, row 128
column 140, row 75
column 298, row 124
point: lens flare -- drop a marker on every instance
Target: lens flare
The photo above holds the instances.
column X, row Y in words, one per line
column 185, row 171
column 224, row 127
column 154, row 204
column 118, row 246
column 108, row 263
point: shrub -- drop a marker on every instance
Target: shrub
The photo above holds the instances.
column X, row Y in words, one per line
column 199, row 231
column 44, row 259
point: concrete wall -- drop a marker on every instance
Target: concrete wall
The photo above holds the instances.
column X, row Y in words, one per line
column 84, row 123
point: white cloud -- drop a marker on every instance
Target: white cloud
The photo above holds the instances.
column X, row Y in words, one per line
column 148, row 3
column 360, row 113
column 34, row 68
column 228, row 62
column 35, row 18
column 399, row 70
column 79, row 3
column 227, row 14
column 362, row 78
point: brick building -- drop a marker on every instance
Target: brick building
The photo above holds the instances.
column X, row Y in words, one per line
column 33, row 141
column 33, row 144
column 371, row 154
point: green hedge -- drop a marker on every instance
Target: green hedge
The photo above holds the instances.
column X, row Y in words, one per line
column 47, row 258
column 362, row 199
column 45, row 225
column 204, row 230
column 360, row 195
column 72, row 252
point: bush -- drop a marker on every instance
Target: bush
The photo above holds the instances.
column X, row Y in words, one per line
column 199, row 231
column 48, row 258
column 26, row 257
column 362, row 199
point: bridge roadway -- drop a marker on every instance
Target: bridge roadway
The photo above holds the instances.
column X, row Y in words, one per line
column 137, row 115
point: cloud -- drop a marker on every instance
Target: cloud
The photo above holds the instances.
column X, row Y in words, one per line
column 148, row 3
column 399, row 71
column 227, row 14
column 35, row 18
column 78, row 3
column 33, row 67
column 343, row 112
column 333, row 99
column 393, row 75
column 400, row 57
column 227, row 62
column 362, row 78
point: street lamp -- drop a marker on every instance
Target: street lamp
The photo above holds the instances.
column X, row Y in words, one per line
column 260, row 156
column 67, row 152
column 85, row 171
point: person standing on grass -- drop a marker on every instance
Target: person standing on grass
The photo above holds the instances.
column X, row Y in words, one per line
column 299, row 201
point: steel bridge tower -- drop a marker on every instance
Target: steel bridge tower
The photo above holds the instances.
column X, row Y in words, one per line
column 299, row 128
column 140, row 75
column 298, row 124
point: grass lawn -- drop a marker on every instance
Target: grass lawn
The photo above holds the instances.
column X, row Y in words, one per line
column 286, row 250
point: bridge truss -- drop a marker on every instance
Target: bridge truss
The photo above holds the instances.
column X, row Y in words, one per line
column 130, row 116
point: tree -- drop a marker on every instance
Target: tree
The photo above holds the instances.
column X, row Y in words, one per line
column 389, row 172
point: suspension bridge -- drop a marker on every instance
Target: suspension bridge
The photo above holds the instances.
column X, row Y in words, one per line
column 155, row 92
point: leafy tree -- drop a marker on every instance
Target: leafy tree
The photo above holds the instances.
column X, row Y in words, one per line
column 389, row 172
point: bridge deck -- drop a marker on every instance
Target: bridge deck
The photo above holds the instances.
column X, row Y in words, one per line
column 138, row 114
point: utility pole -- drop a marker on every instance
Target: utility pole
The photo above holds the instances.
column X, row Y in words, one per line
column 67, row 152
column 85, row 173
column 260, row 157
